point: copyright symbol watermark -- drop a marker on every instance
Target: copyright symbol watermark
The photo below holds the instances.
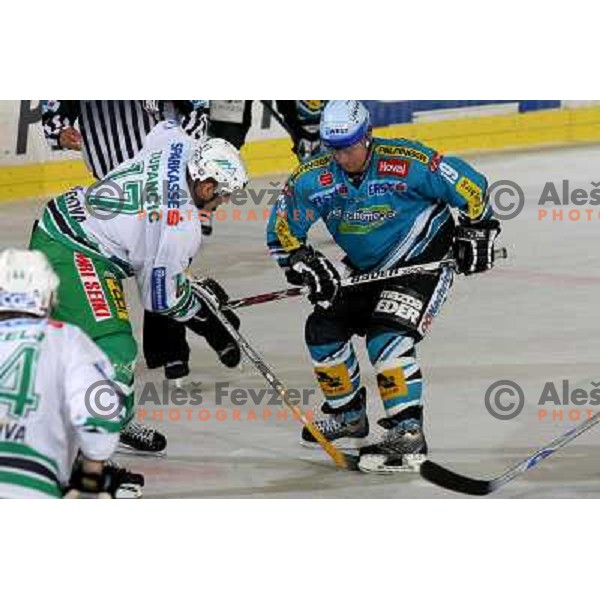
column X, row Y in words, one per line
column 104, row 200
column 104, row 400
column 504, row 399
column 507, row 199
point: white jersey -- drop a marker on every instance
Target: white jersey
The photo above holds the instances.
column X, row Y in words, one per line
column 140, row 217
column 47, row 370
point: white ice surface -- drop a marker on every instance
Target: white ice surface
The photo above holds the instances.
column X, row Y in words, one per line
column 533, row 319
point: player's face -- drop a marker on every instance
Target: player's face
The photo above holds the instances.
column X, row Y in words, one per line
column 208, row 196
column 352, row 159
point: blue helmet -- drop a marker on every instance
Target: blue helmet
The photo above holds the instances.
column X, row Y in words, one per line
column 344, row 123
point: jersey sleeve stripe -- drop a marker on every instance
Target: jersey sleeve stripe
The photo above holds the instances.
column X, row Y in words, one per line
column 25, row 481
column 12, row 448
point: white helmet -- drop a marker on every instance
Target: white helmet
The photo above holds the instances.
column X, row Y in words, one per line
column 28, row 283
column 344, row 123
column 219, row 160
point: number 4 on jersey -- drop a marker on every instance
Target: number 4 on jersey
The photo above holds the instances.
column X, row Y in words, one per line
column 17, row 379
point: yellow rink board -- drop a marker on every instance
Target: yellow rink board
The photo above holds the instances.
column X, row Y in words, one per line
column 271, row 157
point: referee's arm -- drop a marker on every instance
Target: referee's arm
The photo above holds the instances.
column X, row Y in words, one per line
column 59, row 116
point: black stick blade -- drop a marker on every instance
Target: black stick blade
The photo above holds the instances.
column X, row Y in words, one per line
column 441, row 476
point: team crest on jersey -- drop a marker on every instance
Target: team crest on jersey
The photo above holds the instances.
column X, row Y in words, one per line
column 92, row 286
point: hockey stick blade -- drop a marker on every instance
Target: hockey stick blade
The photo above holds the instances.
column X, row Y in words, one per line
column 445, row 478
column 450, row 480
column 342, row 460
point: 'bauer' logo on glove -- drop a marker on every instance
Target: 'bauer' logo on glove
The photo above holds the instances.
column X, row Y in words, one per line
column 474, row 246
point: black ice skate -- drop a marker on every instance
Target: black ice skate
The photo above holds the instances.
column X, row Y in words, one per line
column 347, row 428
column 126, row 485
column 139, row 439
column 176, row 371
column 402, row 449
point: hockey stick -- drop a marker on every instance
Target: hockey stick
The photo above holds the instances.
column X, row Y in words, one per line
column 342, row 460
column 350, row 281
column 500, row 253
column 450, row 480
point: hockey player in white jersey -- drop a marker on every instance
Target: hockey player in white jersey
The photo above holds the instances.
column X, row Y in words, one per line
column 142, row 221
column 47, row 371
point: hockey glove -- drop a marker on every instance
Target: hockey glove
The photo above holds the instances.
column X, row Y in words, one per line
column 91, row 479
column 474, row 246
column 205, row 323
column 317, row 273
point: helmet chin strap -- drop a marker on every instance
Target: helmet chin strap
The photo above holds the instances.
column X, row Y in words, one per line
column 368, row 146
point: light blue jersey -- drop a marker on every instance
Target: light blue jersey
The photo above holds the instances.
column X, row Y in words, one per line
column 393, row 215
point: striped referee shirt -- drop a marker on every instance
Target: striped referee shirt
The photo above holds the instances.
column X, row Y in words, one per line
column 114, row 131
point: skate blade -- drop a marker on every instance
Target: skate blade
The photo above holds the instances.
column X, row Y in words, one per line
column 184, row 383
column 341, row 444
column 371, row 463
column 124, row 449
column 128, row 492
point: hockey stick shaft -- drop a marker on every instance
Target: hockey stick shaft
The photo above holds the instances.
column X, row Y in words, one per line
column 500, row 253
column 348, row 282
column 273, row 112
column 558, row 442
column 340, row 459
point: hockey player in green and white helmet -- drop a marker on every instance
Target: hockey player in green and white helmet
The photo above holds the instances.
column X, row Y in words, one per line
column 47, row 369
column 141, row 221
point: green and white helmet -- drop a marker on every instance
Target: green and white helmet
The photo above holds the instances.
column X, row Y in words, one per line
column 28, row 283
column 217, row 159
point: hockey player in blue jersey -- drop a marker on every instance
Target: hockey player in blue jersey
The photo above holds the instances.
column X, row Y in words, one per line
column 386, row 203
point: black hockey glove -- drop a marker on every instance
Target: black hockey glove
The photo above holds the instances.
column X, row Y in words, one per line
column 86, row 483
column 206, row 324
column 293, row 277
column 211, row 294
column 317, row 273
column 474, row 246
